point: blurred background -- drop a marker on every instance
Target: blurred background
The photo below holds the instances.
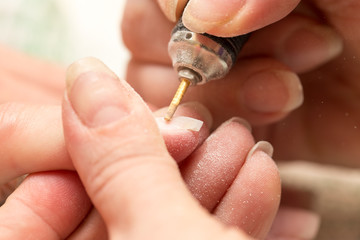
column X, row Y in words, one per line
column 65, row 30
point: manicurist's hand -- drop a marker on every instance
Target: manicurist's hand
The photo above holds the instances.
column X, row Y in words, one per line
column 315, row 42
column 228, row 17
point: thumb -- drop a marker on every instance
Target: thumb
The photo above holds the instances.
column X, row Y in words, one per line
column 227, row 17
column 118, row 151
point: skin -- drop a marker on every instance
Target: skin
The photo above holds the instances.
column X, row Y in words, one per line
column 94, row 218
column 153, row 163
column 68, row 212
column 316, row 43
column 226, row 18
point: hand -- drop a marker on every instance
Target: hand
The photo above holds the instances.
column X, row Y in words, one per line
column 264, row 86
column 149, row 189
column 27, row 82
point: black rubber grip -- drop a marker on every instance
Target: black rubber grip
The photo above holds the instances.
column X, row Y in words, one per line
column 232, row 45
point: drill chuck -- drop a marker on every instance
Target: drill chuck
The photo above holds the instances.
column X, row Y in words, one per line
column 203, row 57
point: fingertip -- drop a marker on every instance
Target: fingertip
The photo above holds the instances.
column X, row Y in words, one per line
column 308, row 46
column 272, row 91
column 203, row 15
column 98, row 97
column 252, row 200
column 190, row 109
column 242, row 122
column 211, row 169
column 186, row 131
column 179, row 123
column 87, row 64
column 232, row 18
column 263, row 146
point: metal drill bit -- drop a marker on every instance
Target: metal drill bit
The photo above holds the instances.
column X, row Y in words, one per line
column 177, row 98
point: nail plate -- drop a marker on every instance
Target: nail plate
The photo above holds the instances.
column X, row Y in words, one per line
column 263, row 146
column 308, row 46
column 96, row 94
column 272, row 91
column 203, row 15
column 190, row 109
column 182, row 123
column 242, row 121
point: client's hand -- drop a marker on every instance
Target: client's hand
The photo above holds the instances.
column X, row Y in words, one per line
column 127, row 172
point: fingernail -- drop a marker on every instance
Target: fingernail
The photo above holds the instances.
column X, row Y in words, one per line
column 272, row 91
column 309, row 46
column 242, row 121
column 95, row 93
column 203, row 15
column 182, row 123
column 262, row 146
column 190, row 109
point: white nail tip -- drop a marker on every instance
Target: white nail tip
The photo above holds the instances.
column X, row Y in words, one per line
column 184, row 123
column 242, row 122
column 261, row 146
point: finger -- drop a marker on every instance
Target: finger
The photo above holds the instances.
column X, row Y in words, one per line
column 251, row 202
column 233, row 18
column 226, row 18
column 259, row 90
column 293, row 223
column 93, row 227
column 31, row 140
column 344, row 18
column 146, row 31
column 46, row 206
column 299, row 41
column 115, row 144
column 212, row 168
column 214, row 180
column 337, row 14
column 180, row 142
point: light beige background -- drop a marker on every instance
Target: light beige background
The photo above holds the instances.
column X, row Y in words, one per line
column 96, row 28
column 65, row 30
